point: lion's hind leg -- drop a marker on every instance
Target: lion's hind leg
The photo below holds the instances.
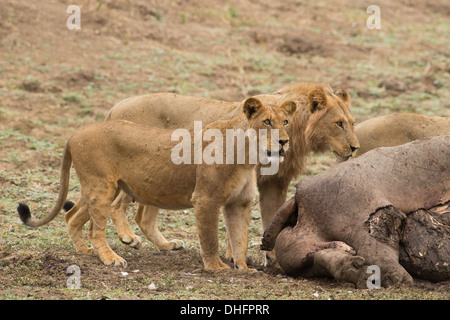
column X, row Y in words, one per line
column 118, row 215
column 146, row 220
column 76, row 218
column 100, row 199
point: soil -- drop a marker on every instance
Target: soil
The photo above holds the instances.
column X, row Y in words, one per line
column 54, row 80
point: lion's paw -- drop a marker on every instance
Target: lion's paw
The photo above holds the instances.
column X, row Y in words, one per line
column 86, row 251
column 133, row 241
column 178, row 244
column 114, row 260
column 216, row 265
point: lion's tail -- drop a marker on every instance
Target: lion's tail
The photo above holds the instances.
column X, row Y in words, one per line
column 24, row 210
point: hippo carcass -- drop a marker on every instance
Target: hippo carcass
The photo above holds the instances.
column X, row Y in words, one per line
column 391, row 206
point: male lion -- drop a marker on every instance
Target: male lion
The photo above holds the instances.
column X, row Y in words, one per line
column 121, row 155
column 323, row 122
column 398, row 128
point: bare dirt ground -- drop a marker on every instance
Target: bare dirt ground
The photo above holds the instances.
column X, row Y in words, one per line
column 54, row 80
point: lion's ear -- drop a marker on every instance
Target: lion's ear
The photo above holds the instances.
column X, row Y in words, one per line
column 343, row 94
column 251, row 106
column 317, row 100
column 289, row 108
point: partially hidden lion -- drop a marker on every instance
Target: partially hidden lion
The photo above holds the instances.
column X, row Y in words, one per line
column 398, row 128
column 323, row 122
column 120, row 155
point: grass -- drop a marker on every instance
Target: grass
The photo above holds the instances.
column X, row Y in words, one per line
column 221, row 61
column 38, row 258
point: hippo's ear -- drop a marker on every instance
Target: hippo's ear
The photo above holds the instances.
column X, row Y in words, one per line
column 343, row 94
column 251, row 106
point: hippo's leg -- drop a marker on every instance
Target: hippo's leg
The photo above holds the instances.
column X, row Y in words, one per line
column 303, row 253
column 386, row 258
column 378, row 243
column 293, row 248
column 285, row 214
column 341, row 265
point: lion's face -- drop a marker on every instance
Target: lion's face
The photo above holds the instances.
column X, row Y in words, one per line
column 332, row 125
column 274, row 121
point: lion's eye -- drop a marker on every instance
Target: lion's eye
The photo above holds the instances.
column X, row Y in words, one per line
column 267, row 122
column 354, row 124
column 340, row 124
column 285, row 122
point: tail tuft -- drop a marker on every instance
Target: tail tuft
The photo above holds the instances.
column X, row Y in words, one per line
column 24, row 212
column 68, row 205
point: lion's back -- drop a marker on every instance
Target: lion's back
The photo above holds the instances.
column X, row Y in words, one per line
column 397, row 129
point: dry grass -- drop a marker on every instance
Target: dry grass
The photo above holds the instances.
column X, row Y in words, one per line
column 53, row 81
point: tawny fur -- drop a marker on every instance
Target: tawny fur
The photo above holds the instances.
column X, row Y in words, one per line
column 397, row 129
column 312, row 129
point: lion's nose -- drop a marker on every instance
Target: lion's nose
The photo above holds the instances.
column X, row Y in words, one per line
column 353, row 148
column 283, row 142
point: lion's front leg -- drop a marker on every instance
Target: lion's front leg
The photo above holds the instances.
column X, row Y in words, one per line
column 237, row 218
column 207, row 213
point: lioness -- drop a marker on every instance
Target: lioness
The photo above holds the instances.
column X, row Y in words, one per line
column 323, row 122
column 398, row 128
column 121, row 155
